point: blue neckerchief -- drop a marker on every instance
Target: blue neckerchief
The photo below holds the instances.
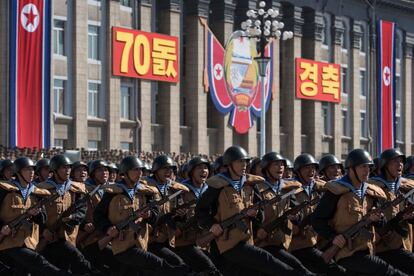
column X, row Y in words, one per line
column 24, row 191
column 307, row 188
column 163, row 188
column 346, row 181
column 91, row 183
column 61, row 189
column 409, row 175
column 130, row 191
column 197, row 191
column 275, row 187
column 236, row 184
column 392, row 186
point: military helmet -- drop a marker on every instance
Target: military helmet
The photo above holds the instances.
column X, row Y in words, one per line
column 270, row 157
column 253, row 164
column 217, row 164
column 147, row 166
column 21, row 163
column 328, row 160
column 358, row 157
column 303, row 160
column 389, row 154
column 79, row 164
column 96, row 164
column 113, row 167
column 44, row 162
column 59, row 160
column 289, row 164
column 163, row 161
column 6, row 163
column 235, row 153
column 129, row 163
column 195, row 161
column 409, row 162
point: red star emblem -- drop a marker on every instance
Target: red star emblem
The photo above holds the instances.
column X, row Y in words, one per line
column 218, row 71
column 30, row 17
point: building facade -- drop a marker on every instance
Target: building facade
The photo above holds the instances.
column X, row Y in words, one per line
column 93, row 109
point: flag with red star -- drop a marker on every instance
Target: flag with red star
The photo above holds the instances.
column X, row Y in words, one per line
column 30, row 33
column 386, row 85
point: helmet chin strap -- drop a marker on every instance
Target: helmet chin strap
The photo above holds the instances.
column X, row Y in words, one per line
column 356, row 175
column 22, row 177
column 129, row 178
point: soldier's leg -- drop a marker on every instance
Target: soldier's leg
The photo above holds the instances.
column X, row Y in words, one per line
column 312, row 259
column 361, row 263
column 287, row 258
column 163, row 250
column 400, row 259
column 197, row 259
column 258, row 259
column 103, row 260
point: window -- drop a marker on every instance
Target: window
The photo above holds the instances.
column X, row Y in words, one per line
column 125, row 102
column 345, row 123
column 362, row 41
column 93, row 42
column 93, row 98
column 398, row 128
column 125, row 146
column 364, row 126
column 59, row 37
column 344, row 78
column 127, row 3
column 324, row 32
column 59, row 96
column 398, row 89
column 93, row 145
column 362, row 78
column 154, row 102
column 326, row 118
column 59, row 143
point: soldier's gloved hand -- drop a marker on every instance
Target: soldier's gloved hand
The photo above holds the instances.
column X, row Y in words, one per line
column 261, row 234
column 339, row 241
column 48, row 235
column 375, row 217
column 89, row 227
column 34, row 212
column 252, row 212
column 216, row 230
column 112, row 232
column 5, row 230
column 181, row 213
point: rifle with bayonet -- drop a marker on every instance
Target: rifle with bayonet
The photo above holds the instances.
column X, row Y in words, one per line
column 360, row 227
column 18, row 221
column 237, row 219
column 130, row 221
column 166, row 218
column 65, row 214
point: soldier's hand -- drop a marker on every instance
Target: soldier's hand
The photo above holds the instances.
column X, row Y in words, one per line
column 181, row 213
column 375, row 217
column 216, row 230
column 5, row 230
column 252, row 212
column 261, row 234
column 34, row 212
column 48, row 235
column 112, row 232
column 339, row 241
column 146, row 215
column 292, row 217
column 89, row 227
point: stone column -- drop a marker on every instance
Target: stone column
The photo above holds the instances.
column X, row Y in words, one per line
column 79, row 71
column 291, row 49
column 169, row 93
column 194, row 90
column 408, row 90
column 4, row 72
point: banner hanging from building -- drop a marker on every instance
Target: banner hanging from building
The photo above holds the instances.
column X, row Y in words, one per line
column 319, row 81
column 386, row 85
column 233, row 78
column 139, row 54
column 30, row 73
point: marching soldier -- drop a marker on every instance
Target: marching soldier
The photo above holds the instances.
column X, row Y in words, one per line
column 6, row 170
column 288, row 170
column 113, row 172
column 342, row 206
column 60, row 233
column 79, row 171
column 229, row 193
column 276, row 242
column 187, row 228
column 218, row 166
column 254, row 167
column 375, row 170
column 303, row 244
column 16, row 198
column 409, row 167
column 395, row 246
column 129, row 246
column 330, row 168
column 42, row 170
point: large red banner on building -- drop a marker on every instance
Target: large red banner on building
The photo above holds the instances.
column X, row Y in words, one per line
column 30, row 73
column 139, row 54
column 319, row 81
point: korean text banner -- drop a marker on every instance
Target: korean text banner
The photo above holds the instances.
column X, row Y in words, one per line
column 139, row 54
column 30, row 73
column 319, row 81
column 386, row 85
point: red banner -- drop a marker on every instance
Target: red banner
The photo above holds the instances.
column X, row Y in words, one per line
column 318, row 81
column 139, row 54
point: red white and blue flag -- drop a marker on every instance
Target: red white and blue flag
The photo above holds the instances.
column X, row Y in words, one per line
column 386, row 85
column 30, row 33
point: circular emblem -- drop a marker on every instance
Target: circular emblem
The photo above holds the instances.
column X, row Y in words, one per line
column 218, row 71
column 386, row 75
column 29, row 17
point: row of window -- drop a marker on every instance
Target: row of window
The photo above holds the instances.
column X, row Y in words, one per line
column 93, row 145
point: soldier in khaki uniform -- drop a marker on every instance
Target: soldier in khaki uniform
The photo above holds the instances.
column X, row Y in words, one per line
column 6, row 169
column 391, row 246
column 343, row 205
column 330, row 168
column 79, row 171
column 187, row 227
column 276, row 242
column 162, row 237
column 60, row 243
column 303, row 244
column 409, row 167
column 228, row 193
column 129, row 246
column 42, row 170
column 15, row 198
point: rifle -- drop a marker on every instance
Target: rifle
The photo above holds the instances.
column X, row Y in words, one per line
column 236, row 220
column 359, row 227
column 170, row 215
column 394, row 223
column 280, row 221
column 58, row 223
column 18, row 221
column 130, row 221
